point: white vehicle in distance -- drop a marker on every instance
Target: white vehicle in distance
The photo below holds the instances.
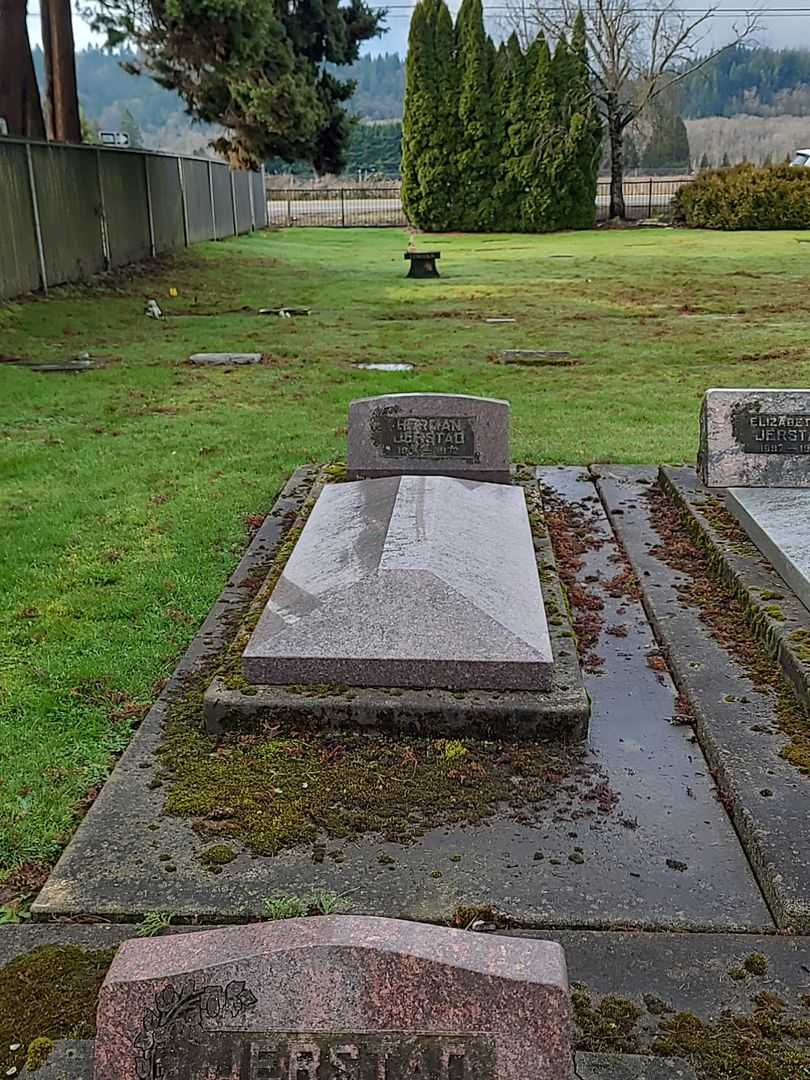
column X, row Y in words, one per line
column 802, row 157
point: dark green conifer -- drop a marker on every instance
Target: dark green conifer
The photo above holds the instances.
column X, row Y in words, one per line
column 477, row 153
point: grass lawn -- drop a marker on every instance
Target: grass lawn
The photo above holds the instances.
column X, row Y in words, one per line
column 126, row 493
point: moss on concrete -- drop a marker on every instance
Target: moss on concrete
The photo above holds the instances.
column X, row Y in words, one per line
column 771, row 1042
column 731, row 617
column 46, row 995
column 38, row 1053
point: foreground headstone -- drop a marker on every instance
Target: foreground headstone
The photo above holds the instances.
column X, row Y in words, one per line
column 335, row 997
column 410, row 581
column 429, row 434
column 755, row 438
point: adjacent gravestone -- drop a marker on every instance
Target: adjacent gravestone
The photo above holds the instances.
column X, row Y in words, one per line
column 429, row 434
column 335, row 997
column 755, row 438
column 776, row 520
column 409, row 581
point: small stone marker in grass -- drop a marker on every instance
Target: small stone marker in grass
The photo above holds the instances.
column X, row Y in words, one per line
column 429, row 434
column 423, row 263
column 217, row 359
column 285, row 312
column 536, row 358
column 335, row 998
column 755, row 438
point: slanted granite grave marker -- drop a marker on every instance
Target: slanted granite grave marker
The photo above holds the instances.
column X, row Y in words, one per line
column 755, row 438
column 429, row 434
column 335, row 997
column 409, row 581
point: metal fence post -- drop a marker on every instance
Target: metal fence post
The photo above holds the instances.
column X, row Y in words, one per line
column 266, row 214
column 233, row 204
column 342, row 208
column 649, row 202
column 105, row 234
column 211, row 194
column 149, row 213
column 183, row 202
column 43, row 277
column 289, row 211
column 252, row 207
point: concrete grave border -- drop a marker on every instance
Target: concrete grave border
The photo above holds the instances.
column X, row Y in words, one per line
column 560, row 712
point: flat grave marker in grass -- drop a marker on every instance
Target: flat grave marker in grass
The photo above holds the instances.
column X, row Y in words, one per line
column 225, row 359
column 433, row 434
column 324, row 998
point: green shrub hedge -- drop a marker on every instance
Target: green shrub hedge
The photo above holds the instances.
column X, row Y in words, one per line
column 746, row 197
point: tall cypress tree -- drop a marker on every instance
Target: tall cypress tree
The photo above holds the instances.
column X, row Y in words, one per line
column 429, row 119
column 418, row 110
column 478, row 153
column 507, row 188
column 537, row 164
column 589, row 133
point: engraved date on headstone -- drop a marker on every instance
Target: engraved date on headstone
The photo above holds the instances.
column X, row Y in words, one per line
column 425, row 437
column 772, row 433
column 368, row 1056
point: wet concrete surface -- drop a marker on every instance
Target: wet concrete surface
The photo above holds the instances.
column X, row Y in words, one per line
column 637, row 838
column 735, row 722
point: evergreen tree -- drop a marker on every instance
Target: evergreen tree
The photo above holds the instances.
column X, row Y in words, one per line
column 517, row 136
column 129, row 125
column 537, row 163
column 586, row 129
column 704, row 162
column 418, row 111
column 508, row 65
column 429, row 126
column 477, row 150
column 668, row 146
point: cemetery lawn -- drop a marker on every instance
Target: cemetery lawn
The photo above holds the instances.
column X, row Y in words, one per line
column 128, row 493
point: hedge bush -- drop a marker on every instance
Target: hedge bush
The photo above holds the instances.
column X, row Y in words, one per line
column 746, row 197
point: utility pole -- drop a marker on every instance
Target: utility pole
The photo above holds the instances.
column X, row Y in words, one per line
column 20, row 106
column 64, row 122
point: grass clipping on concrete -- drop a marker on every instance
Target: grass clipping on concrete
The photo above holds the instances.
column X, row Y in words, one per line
column 48, row 994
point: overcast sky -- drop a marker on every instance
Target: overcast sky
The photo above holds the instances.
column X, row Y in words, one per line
column 777, row 29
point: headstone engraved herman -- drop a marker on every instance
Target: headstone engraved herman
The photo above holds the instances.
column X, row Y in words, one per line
column 429, row 434
column 755, row 438
column 335, row 998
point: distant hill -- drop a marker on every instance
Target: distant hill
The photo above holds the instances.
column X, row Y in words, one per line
column 750, row 81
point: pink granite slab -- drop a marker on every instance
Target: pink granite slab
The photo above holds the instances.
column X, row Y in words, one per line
column 339, row 996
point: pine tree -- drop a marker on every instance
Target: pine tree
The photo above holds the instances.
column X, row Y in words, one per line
column 668, row 146
column 478, row 153
column 517, row 135
column 704, row 162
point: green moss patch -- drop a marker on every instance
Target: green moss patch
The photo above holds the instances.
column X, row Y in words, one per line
column 729, row 618
column 771, row 1042
column 46, row 995
column 273, row 793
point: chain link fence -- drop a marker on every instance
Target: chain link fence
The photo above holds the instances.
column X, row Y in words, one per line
column 68, row 212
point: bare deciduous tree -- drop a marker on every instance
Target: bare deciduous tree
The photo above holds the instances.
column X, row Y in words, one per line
column 637, row 50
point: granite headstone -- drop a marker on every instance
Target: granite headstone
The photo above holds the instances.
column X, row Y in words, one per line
column 429, row 434
column 335, row 998
column 755, row 438
column 408, row 581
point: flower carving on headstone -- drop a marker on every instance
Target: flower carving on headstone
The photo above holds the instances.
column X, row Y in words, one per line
column 175, row 1009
